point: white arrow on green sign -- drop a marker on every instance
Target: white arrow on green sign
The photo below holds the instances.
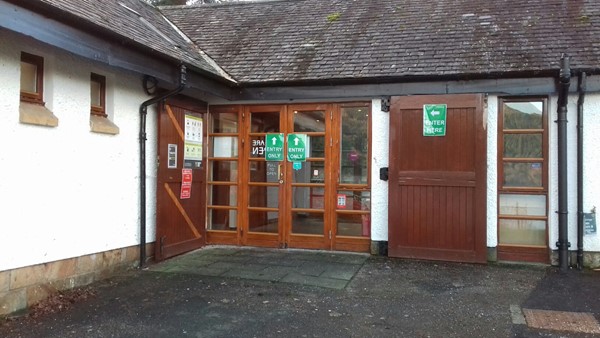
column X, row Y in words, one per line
column 274, row 147
column 296, row 147
column 434, row 119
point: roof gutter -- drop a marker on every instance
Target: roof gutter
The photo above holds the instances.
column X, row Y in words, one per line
column 564, row 81
column 142, row 139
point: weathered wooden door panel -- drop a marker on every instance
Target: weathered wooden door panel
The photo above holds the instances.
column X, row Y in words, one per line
column 437, row 183
column 180, row 221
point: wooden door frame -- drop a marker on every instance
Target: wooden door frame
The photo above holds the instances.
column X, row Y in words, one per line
column 306, row 241
column 240, row 237
column 523, row 253
column 479, row 254
column 246, row 237
column 347, row 243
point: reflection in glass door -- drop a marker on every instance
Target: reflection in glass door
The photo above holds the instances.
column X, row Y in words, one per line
column 308, row 226
column 263, row 194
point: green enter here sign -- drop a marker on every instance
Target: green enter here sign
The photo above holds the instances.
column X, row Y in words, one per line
column 296, row 147
column 434, row 119
column 274, row 147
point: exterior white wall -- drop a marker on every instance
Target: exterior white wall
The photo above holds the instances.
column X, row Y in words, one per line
column 591, row 163
column 380, row 145
column 492, row 170
column 67, row 191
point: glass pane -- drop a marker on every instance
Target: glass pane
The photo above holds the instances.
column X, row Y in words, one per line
column 95, row 91
column 262, row 171
column 28, row 77
column 264, row 122
column 310, row 172
column 308, row 197
column 526, row 205
column 522, row 232
column 222, row 219
column 225, row 146
column 264, row 197
column 523, row 115
column 316, row 146
column 224, row 123
column 523, row 145
column 354, row 225
column 353, row 200
column 309, row 121
column 257, row 146
column 263, row 221
column 225, row 195
column 223, row 171
column 523, row 174
column 307, row 223
column 355, row 145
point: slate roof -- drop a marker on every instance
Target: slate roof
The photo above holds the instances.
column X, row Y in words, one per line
column 350, row 40
column 137, row 23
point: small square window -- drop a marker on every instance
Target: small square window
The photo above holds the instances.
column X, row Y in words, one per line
column 98, row 95
column 32, row 78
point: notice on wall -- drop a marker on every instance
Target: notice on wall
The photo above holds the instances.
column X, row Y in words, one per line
column 192, row 154
column 186, row 184
column 274, row 147
column 172, row 156
column 297, row 147
column 341, row 201
column 589, row 223
column 434, row 119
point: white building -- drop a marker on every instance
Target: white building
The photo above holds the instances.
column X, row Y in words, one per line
column 82, row 191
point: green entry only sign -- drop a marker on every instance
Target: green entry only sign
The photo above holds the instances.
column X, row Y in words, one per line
column 296, row 147
column 274, row 147
column 434, row 119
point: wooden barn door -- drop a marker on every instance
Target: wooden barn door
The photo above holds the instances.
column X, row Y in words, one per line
column 181, row 183
column 437, row 190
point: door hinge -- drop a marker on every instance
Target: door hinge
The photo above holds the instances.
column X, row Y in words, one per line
column 329, row 234
column 331, row 115
column 158, row 161
column 243, row 116
column 331, row 141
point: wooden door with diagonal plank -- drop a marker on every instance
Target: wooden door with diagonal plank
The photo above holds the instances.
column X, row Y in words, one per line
column 180, row 222
column 437, row 184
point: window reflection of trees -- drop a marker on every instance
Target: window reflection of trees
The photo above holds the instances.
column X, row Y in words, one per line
column 525, row 119
column 355, row 145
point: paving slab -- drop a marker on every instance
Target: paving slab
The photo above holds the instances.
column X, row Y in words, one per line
column 323, row 282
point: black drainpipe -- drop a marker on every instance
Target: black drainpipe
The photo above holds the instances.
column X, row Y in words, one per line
column 580, row 101
column 563, row 97
column 143, row 113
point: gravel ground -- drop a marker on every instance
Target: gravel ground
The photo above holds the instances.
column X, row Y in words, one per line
column 386, row 298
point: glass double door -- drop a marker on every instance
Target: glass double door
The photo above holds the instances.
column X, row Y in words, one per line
column 286, row 201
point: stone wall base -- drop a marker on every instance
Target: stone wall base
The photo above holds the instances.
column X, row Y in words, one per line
column 22, row 287
column 379, row 248
column 591, row 259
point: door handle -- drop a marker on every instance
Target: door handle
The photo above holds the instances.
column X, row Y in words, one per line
column 280, row 173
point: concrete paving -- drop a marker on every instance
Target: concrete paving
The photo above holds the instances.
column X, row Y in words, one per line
column 245, row 292
column 303, row 267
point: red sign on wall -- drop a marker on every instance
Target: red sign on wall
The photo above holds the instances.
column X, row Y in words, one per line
column 186, row 184
column 186, row 192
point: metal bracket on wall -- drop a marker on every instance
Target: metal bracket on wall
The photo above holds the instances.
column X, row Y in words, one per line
column 385, row 104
